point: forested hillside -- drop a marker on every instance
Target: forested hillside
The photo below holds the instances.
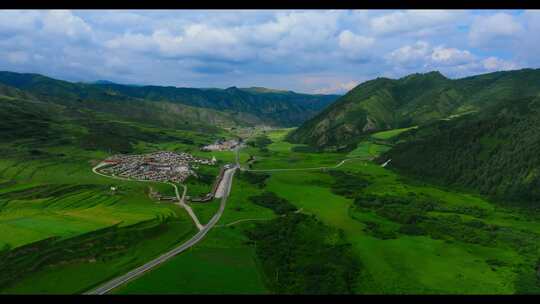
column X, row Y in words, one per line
column 495, row 152
column 416, row 99
column 215, row 106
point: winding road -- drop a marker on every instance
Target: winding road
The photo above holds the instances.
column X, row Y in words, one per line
column 222, row 192
column 181, row 199
column 226, row 183
column 303, row 169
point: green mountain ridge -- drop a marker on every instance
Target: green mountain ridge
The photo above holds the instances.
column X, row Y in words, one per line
column 241, row 106
column 495, row 152
column 384, row 103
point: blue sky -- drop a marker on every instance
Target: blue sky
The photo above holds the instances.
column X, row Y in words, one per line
column 315, row 51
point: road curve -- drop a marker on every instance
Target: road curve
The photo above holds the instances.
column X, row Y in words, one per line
column 303, row 169
column 103, row 289
column 182, row 203
column 181, row 200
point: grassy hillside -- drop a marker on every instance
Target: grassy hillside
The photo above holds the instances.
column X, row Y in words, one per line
column 56, row 216
column 384, row 103
column 495, row 152
column 405, row 235
column 169, row 104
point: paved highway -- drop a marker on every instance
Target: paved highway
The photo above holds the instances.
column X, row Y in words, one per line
column 224, row 189
column 103, row 289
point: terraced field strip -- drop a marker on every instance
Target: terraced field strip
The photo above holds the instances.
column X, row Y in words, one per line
column 180, row 199
column 227, row 180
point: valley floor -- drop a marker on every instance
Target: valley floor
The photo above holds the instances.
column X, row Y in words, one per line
column 406, row 236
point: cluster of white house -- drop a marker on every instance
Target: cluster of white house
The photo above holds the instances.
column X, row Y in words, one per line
column 158, row 166
column 221, row 145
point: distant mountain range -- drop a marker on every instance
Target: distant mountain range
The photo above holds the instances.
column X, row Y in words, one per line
column 231, row 106
column 416, row 99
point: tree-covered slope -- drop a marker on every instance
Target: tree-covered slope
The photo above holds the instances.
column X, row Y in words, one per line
column 31, row 124
column 416, row 99
column 495, row 152
column 274, row 107
column 244, row 106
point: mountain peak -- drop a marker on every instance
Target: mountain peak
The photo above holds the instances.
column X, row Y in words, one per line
column 264, row 90
column 428, row 75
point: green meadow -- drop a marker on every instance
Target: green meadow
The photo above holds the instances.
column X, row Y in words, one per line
column 396, row 262
column 49, row 191
column 406, row 235
column 391, row 133
column 222, row 263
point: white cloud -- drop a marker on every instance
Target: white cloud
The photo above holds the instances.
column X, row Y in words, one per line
column 450, row 56
column 17, row 57
column 135, row 42
column 354, row 45
column 496, row 64
column 493, row 29
column 410, row 55
column 272, row 48
column 63, row 22
column 417, row 21
column 13, row 21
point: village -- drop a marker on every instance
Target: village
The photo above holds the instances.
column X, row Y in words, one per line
column 222, row 145
column 158, row 166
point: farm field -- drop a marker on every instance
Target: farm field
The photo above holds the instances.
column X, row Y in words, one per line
column 222, row 263
column 49, row 191
column 80, row 276
column 463, row 266
column 431, row 240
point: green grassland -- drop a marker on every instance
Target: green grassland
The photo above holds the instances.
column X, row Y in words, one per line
column 443, row 261
column 391, row 133
column 407, row 236
column 399, row 265
column 368, row 150
column 222, row 263
column 282, row 154
column 446, row 260
column 80, row 275
column 49, row 191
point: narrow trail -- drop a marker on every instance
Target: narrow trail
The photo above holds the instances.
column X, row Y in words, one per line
column 121, row 280
column 243, row 220
column 305, row 169
column 181, row 199
column 181, row 202
column 255, row 219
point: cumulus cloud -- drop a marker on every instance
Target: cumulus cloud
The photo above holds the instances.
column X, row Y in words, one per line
column 17, row 57
column 14, row 21
column 63, row 22
column 268, row 48
column 450, row 56
column 410, row 55
column 496, row 64
column 417, row 21
column 494, row 30
column 421, row 56
column 354, row 45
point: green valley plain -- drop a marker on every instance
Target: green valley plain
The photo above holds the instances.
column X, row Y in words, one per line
column 432, row 197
